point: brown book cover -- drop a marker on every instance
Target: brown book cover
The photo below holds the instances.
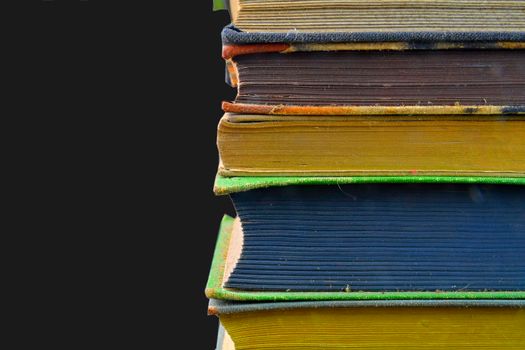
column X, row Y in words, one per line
column 377, row 78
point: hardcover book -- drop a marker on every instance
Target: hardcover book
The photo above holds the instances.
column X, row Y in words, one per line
column 259, row 145
column 378, row 78
column 375, row 156
column 371, row 325
column 398, row 16
column 224, row 341
column 357, row 238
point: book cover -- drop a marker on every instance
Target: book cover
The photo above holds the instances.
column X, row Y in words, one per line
column 377, row 78
column 227, row 185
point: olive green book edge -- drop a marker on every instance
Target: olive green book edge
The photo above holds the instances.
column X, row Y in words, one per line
column 226, row 185
column 219, row 5
column 215, row 290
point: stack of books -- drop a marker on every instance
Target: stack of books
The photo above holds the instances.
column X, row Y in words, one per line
column 375, row 155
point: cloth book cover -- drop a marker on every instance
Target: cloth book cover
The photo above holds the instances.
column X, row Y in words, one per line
column 358, row 238
column 376, row 78
column 377, row 325
column 375, row 156
column 262, row 145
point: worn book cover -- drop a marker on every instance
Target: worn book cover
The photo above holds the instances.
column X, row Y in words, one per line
column 377, row 78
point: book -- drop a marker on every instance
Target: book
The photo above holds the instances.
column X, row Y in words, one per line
column 333, row 239
column 277, row 16
column 371, row 325
column 377, row 78
column 251, row 145
column 224, row 341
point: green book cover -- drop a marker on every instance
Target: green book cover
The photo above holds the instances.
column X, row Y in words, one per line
column 225, row 185
column 219, row 5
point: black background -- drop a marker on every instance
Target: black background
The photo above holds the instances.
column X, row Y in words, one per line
column 205, row 209
column 129, row 96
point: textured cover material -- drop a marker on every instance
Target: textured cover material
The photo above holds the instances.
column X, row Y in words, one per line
column 220, row 5
column 215, row 289
column 226, row 185
column 368, row 110
column 232, row 35
column 218, row 307
column 233, row 50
